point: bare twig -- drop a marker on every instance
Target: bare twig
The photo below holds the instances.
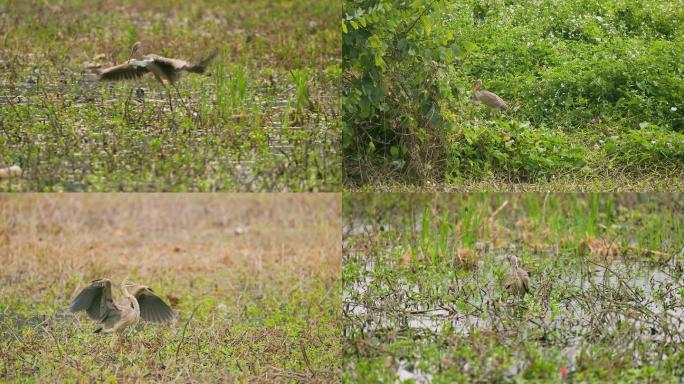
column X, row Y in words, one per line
column 184, row 328
column 302, row 347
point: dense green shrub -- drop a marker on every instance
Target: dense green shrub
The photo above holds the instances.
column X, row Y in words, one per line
column 393, row 55
column 649, row 145
column 518, row 150
column 578, row 67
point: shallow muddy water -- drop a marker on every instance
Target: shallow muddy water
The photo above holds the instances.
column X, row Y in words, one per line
column 578, row 301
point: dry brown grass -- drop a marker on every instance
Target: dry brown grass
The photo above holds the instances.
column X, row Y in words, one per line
column 66, row 235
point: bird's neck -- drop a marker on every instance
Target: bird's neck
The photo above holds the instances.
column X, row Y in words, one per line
column 132, row 300
column 136, row 306
column 136, row 55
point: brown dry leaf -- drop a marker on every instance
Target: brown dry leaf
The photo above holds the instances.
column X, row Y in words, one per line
column 467, row 258
column 500, row 242
column 406, row 258
column 524, row 223
column 600, row 248
column 173, row 299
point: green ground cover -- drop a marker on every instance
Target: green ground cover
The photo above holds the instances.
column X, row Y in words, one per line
column 265, row 117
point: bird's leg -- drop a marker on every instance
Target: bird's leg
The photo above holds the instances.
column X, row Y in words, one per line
column 168, row 96
column 166, row 89
column 137, row 90
column 187, row 109
column 128, row 99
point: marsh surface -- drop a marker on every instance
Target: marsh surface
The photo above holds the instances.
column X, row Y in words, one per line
column 423, row 296
column 264, row 118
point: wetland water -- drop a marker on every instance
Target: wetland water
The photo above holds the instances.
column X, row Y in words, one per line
column 418, row 314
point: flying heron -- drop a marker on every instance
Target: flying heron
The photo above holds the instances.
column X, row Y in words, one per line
column 517, row 281
column 490, row 99
column 163, row 68
column 115, row 317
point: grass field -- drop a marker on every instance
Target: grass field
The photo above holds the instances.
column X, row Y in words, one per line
column 254, row 278
column 423, row 298
column 595, row 92
column 264, row 119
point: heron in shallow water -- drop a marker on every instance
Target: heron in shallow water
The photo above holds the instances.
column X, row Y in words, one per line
column 115, row 317
column 517, row 281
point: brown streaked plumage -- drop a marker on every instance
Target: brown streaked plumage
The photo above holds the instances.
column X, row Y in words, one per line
column 115, row 317
column 490, row 99
column 163, row 68
column 517, row 281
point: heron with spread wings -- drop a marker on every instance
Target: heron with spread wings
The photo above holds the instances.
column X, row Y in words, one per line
column 115, row 317
column 164, row 69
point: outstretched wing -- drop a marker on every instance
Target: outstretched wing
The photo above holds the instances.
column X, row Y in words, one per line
column 129, row 70
column 171, row 67
column 152, row 308
column 164, row 67
column 96, row 300
column 202, row 65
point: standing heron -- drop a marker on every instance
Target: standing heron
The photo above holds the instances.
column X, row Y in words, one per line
column 517, row 281
column 490, row 99
column 163, row 68
column 115, row 317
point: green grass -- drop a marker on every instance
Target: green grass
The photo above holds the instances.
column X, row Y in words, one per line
column 254, row 280
column 595, row 90
column 423, row 297
column 264, row 119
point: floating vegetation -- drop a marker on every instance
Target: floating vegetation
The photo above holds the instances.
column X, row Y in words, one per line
column 605, row 287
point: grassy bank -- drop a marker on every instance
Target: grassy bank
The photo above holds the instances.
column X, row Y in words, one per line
column 254, row 280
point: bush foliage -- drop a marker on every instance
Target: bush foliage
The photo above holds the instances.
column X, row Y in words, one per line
column 583, row 79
